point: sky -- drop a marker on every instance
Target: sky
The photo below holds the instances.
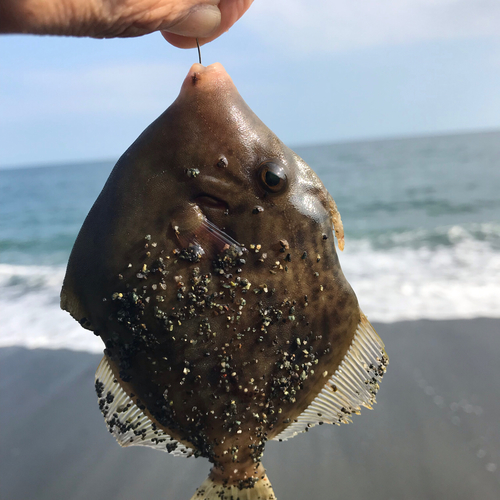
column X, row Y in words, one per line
column 314, row 72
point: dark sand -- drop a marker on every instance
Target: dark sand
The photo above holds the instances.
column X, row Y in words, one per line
column 434, row 434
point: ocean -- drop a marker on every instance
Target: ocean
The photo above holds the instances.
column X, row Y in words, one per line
column 421, row 218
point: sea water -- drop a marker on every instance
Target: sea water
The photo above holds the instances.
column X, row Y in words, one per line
column 421, row 218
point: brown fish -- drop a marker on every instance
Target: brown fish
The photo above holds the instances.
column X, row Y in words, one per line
column 208, row 267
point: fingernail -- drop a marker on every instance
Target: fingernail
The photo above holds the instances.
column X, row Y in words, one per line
column 199, row 23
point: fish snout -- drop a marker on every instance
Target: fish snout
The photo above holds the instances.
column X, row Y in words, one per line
column 206, row 79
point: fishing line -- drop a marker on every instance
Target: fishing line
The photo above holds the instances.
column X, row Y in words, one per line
column 199, row 51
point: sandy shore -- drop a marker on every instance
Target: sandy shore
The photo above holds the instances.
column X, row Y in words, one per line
column 435, row 433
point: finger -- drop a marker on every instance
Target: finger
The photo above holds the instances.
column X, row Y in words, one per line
column 200, row 21
column 230, row 12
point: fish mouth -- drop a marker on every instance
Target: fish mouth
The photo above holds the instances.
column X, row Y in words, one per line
column 209, row 202
column 212, row 234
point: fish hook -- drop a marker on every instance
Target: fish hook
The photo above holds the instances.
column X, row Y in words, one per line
column 199, row 51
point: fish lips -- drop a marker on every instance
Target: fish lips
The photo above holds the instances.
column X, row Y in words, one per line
column 207, row 197
column 211, row 204
column 213, row 208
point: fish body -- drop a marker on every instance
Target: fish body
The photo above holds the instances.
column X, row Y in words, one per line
column 208, row 267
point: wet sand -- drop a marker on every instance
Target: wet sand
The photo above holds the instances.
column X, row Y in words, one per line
column 434, row 434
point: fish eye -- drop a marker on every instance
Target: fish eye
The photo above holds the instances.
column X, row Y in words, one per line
column 272, row 177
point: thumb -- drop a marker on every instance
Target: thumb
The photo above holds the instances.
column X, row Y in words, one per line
column 229, row 11
column 201, row 21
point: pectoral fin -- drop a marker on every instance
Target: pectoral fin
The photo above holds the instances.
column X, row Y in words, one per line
column 198, row 237
column 337, row 223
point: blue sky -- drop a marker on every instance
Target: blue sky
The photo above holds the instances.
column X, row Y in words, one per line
column 314, row 72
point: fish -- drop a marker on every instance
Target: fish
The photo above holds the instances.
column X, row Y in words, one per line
column 208, row 267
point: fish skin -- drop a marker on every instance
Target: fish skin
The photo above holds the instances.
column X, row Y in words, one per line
column 200, row 159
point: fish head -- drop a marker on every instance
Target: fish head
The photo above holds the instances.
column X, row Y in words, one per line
column 224, row 160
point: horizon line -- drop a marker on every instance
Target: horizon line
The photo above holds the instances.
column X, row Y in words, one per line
column 354, row 140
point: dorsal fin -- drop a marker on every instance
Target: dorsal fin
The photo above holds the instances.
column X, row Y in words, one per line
column 128, row 423
column 354, row 384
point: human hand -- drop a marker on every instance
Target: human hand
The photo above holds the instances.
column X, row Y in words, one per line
column 185, row 38
column 181, row 21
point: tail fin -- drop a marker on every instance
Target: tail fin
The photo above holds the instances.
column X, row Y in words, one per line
column 210, row 490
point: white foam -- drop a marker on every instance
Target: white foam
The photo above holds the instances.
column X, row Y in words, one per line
column 30, row 315
column 447, row 282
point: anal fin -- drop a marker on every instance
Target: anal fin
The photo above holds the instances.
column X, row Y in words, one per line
column 353, row 385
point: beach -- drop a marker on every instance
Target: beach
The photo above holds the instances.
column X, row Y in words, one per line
column 422, row 253
column 434, row 433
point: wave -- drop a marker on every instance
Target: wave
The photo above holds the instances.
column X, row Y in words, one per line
column 30, row 314
column 433, row 238
column 432, row 207
column 446, row 282
column 20, row 279
column 455, row 279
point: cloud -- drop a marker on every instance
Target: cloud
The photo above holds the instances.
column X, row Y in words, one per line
column 339, row 25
